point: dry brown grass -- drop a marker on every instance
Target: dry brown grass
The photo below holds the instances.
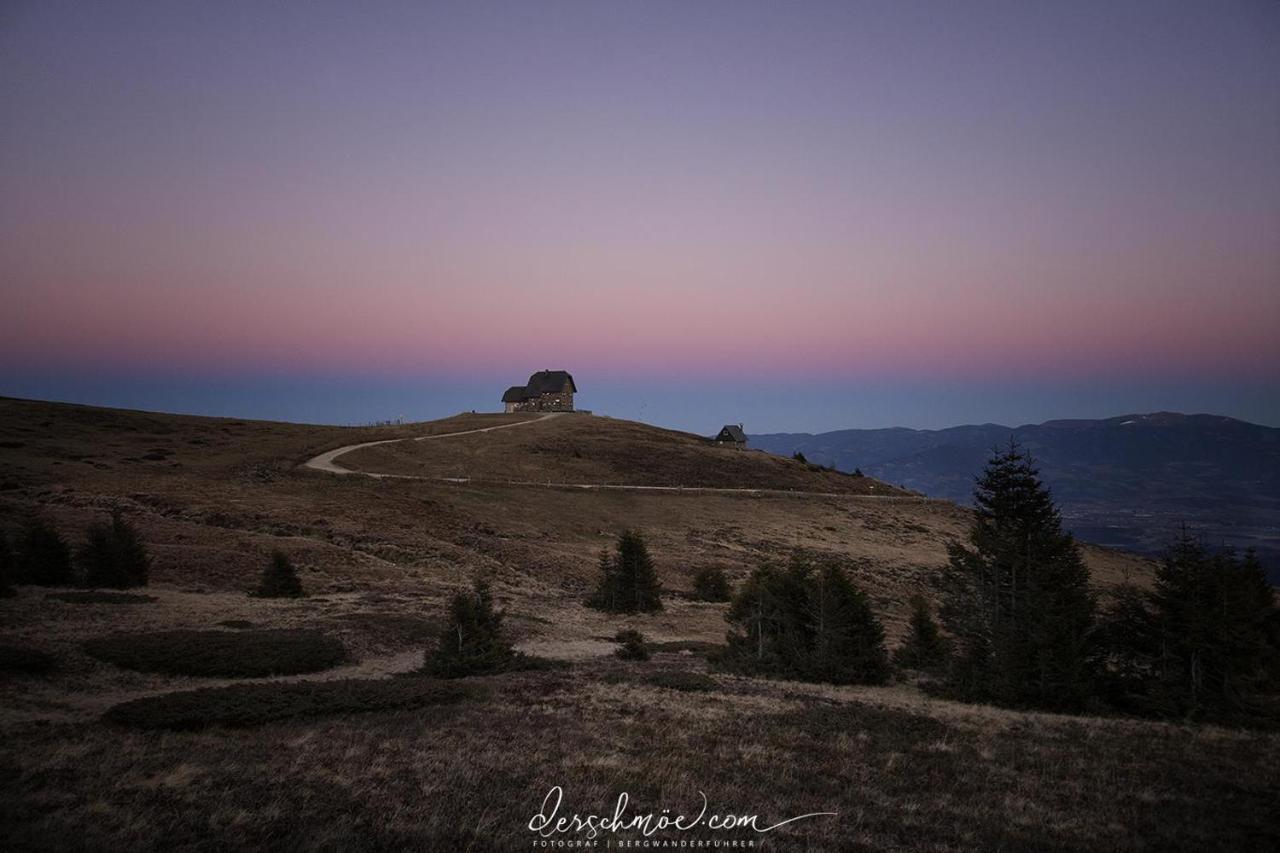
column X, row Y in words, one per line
column 583, row 449
column 472, row 774
column 381, row 558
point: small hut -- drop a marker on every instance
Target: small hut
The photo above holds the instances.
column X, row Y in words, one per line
column 731, row 435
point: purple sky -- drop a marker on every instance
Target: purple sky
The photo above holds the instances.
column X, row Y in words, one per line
column 801, row 216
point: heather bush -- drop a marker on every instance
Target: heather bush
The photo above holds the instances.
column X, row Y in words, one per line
column 631, row 645
column 228, row 654
column 710, row 584
column 114, row 556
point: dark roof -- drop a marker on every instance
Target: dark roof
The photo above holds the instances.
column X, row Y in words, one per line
column 550, row 382
column 516, row 394
column 732, row 432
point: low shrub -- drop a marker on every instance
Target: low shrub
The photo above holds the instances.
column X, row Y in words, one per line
column 631, row 646
column 684, row 681
column 710, row 584
column 42, row 557
column 228, row 654
column 113, row 555
column 25, row 661
column 280, row 579
column 96, row 596
column 243, row 705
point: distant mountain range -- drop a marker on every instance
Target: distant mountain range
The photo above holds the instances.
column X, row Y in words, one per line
column 1127, row 482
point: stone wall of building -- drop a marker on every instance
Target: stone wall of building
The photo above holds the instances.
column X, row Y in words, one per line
column 555, row 402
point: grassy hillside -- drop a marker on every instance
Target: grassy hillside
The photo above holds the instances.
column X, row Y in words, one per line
column 214, row 497
column 584, row 449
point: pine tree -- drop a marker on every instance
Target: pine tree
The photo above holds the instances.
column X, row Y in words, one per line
column 1215, row 646
column 804, row 623
column 280, row 579
column 43, row 557
column 1021, row 610
column 628, row 581
column 472, row 642
column 848, row 640
column 608, row 593
column 1126, row 646
column 925, row 648
column 114, row 556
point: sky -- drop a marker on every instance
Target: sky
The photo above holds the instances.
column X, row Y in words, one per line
column 799, row 216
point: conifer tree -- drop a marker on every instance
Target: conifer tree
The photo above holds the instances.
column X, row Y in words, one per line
column 280, row 579
column 925, row 648
column 848, row 640
column 472, row 642
column 1020, row 609
column 1215, row 644
column 1126, row 646
column 43, row 557
column 804, row 623
column 114, row 556
column 628, row 581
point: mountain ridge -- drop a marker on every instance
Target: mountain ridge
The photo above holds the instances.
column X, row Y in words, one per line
column 1127, row 481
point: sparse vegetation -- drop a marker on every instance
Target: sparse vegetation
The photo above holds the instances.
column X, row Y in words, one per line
column 280, row 579
column 711, row 584
column 799, row 457
column 228, row 654
column 925, row 648
column 903, row 769
column 1020, row 608
column 114, row 556
column 244, row 705
column 97, row 596
column 43, row 555
column 21, row 660
column 806, row 622
column 628, row 582
column 682, row 680
column 631, row 645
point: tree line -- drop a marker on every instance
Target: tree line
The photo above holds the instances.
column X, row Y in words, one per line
column 112, row 555
column 1021, row 625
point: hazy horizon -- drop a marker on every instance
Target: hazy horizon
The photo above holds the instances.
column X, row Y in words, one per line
column 361, row 400
column 797, row 216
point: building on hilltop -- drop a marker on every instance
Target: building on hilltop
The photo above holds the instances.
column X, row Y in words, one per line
column 546, row 391
column 731, row 436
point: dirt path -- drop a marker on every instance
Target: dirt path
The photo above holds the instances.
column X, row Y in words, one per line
column 328, row 462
